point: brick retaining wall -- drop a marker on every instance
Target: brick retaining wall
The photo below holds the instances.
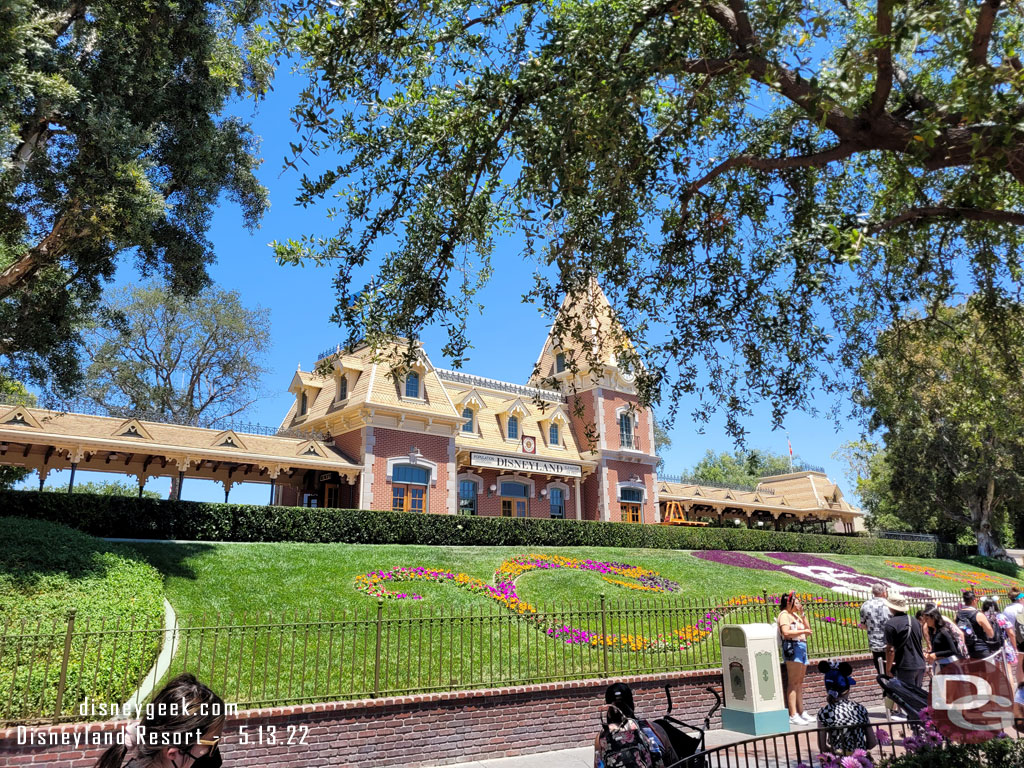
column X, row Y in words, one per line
column 434, row 729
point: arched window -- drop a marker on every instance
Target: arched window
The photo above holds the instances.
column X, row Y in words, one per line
column 303, row 404
column 409, row 488
column 412, row 384
column 467, row 413
column 553, row 434
column 557, row 497
column 626, row 430
column 513, row 427
column 560, row 362
column 342, row 387
column 515, row 499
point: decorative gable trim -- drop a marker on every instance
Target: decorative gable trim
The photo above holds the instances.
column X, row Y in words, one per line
column 517, row 408
column 20, row 416
column 311, row 448
column 471, row 399
column 229, row 439
column 132, row 428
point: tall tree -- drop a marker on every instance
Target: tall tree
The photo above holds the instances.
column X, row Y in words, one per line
column 662, row 442
column 946, row 395
column 758, row 185
column 741, row 468
column 195, row 361
column 113, row 141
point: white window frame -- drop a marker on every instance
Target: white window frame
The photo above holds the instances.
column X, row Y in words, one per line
column 625, row 410
column 413, row 461
column 567, row 497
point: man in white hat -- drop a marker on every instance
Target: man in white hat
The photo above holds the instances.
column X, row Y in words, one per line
column 904, row 656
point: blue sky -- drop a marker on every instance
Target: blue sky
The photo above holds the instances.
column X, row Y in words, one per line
column 301, row 300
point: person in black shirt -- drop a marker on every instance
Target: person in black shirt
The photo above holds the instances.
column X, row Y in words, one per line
column 982, row 640
column 904, row 657
column 943, row 643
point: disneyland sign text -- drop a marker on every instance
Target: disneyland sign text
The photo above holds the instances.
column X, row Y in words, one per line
column 525, row 465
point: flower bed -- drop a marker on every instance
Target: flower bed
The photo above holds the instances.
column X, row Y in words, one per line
column 503, row 591
column 968, row 578
column 817, row 570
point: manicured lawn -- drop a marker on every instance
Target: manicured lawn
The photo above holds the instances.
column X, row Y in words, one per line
column 232, row 577
column 235, row 577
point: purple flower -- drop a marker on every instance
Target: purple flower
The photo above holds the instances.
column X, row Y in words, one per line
column 883, row 737
column 738, row 559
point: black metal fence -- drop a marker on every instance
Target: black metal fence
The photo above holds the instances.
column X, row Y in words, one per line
column 259, row 659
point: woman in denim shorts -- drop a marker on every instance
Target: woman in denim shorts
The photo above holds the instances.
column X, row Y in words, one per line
column 794, row 630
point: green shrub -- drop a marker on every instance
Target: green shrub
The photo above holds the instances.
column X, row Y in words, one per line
column 46, row 572
column 167, row 519
column 991, row 564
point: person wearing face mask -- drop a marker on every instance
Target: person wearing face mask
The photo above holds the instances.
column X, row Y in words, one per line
column 181, row 729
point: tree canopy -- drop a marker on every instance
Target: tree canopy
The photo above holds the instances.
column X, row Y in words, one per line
column 113, row 141
column 194, row 361
column 738, row 469
column 946, row 396
column 758, row 185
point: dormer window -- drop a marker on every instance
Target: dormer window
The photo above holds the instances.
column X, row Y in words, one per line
column 412, row 384
column 303, row 404
column 342, row 387
column 553, row 434
column 467, row 413
column 513, row 428
column 560, row 362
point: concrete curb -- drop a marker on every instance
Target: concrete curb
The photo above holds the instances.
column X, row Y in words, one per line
column 160, row 666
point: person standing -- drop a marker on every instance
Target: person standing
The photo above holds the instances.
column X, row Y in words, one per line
column 904, row 656
column 1016, row 604
column 944, row 646
column 794, row 629
column 980, row 635
column 873, row 615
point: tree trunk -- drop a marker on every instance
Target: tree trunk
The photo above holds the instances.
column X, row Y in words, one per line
column 981, row 514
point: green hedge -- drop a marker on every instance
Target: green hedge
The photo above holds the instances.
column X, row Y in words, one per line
column 991, row 564
column 163, row 519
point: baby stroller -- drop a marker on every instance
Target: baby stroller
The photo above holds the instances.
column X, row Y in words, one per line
column 684, row 744
column 909, row 697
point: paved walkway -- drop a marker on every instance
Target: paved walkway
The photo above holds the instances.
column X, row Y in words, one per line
column 583, row 757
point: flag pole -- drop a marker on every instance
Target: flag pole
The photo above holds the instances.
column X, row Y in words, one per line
column 790, row 445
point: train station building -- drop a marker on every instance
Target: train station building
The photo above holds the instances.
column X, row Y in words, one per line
column 366, row 432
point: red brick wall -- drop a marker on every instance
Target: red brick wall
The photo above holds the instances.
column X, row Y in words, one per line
column 540, row 507
column 621, row 471
column 351, row 444
column 612, row 401
column 439, row 728
column 591, row 491
column 587, row 401
column 392, row 443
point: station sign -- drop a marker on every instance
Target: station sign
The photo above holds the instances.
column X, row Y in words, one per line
column 522, row 464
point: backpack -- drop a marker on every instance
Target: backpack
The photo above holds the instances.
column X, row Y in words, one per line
column 625, row 745
column 1018, row 629
column 976, row 640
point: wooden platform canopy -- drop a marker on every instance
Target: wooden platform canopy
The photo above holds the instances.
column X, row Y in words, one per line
column 803, row 497
column 47, row 440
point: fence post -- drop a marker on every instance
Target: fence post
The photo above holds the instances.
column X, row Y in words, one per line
column 604, row 635
column 62, row 682
column 376, row 658
column 767, row 610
